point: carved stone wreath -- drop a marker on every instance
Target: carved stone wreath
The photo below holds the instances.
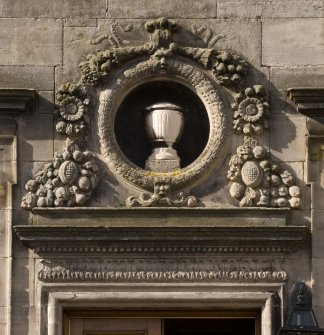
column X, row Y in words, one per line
column 178, row 71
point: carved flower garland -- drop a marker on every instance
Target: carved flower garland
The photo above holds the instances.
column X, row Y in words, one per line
column 256, row 181
column 251, row 111
column 67, row 181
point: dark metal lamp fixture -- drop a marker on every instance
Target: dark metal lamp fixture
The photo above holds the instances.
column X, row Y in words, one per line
column 302, row 319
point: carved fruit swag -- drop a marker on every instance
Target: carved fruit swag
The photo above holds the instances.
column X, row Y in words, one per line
column 68, row 180
column 256, row 181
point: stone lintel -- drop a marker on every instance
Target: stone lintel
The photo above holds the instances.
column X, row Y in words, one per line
column 309, row 101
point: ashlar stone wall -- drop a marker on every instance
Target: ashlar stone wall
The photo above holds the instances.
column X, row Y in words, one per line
column 42, row 43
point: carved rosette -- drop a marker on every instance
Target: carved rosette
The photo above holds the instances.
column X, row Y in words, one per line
column 257, row 181
column 72, row 116
column 251, row 111
column 68, row 180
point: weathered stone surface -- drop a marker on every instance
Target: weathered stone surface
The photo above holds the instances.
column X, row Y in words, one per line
column 301, row 217
column 164, row 217
column 135, row 32
column 35, row 143
column 57, row 9
column 22, row 273
column 318, row 231
column 241, row 36
column 24, row 321
column 283, row 78
column 318, row 273
column 76, row 47
column 157, row 8
column 3, row 281
column 318, row 186
column 269, row 8
column 3, row 233
column 319, row 312
column 80, row 22
column 292, row 42
column 45, row 102
column 287, row 138
column 39, row 78
column 30, row 42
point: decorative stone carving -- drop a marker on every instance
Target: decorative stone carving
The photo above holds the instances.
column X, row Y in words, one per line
column 169, row 270
column 257, row 181
column 162, row 197
column 164, row 125
column 73, row 119
column 207, row 35
column 161, row 31
column 200, row 82
column 251, row 111
column 114, row 38
column 68, row 180
column 227, row 68
column 160, row 59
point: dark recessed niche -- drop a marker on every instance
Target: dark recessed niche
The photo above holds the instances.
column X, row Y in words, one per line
column 130, row 121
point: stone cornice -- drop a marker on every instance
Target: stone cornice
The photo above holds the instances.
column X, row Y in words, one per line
column 15, row 101
column 161, row 232
column 309, row 101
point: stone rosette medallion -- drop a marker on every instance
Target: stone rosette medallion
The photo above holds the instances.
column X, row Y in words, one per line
column 107, row 76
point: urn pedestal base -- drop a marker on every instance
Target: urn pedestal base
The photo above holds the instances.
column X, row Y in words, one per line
column 162, row 165
column 163, row 160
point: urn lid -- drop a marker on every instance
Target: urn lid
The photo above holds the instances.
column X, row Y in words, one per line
column 164, row 105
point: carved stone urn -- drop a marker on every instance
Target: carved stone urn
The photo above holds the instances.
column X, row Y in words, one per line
column 164, row 125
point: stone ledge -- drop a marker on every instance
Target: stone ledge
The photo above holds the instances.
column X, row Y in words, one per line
column 15, row 101
column 166, row 241
column 161, row 217
column 309, row 101
column 161, row 231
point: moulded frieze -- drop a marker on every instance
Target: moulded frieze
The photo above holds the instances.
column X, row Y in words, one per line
column 167, row 270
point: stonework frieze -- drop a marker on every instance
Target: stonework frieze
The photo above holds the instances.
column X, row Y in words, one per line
column 183, row 270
